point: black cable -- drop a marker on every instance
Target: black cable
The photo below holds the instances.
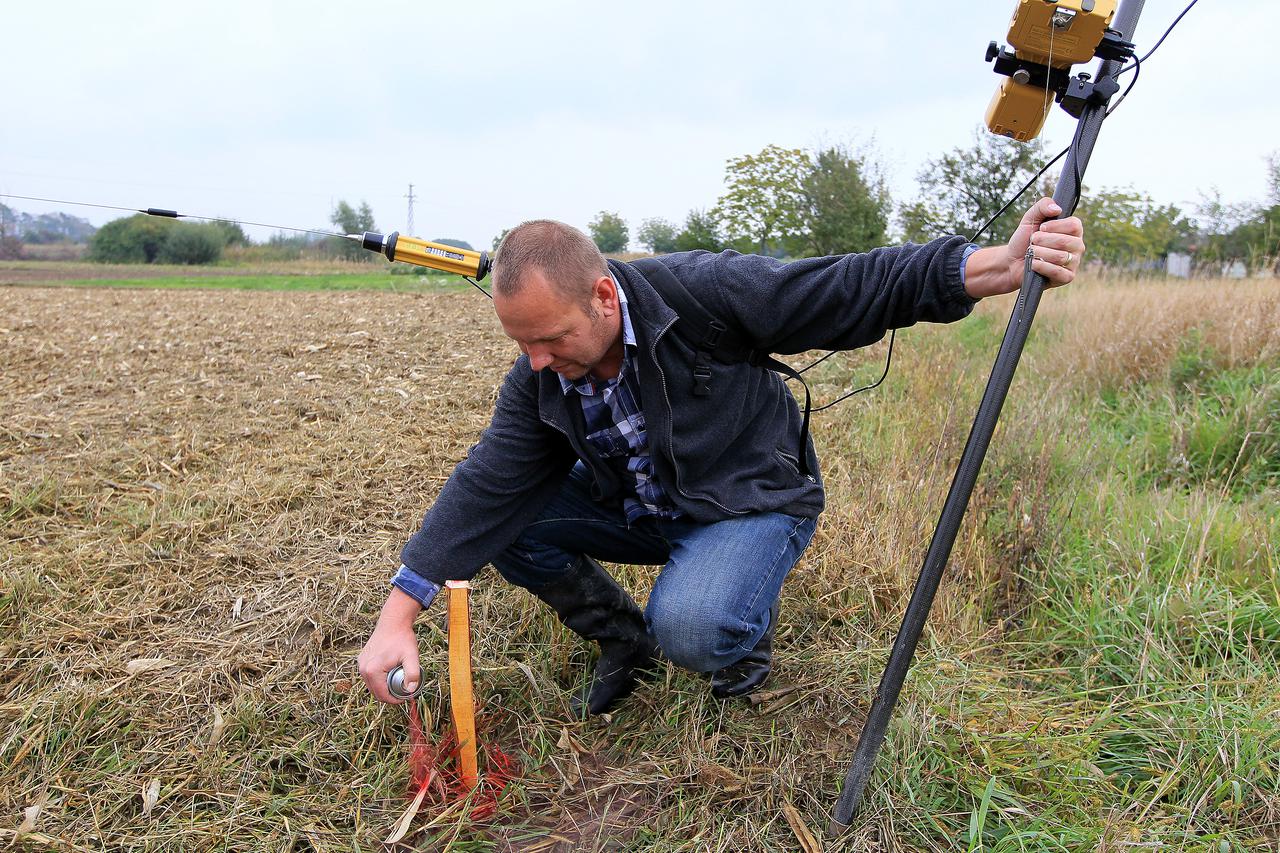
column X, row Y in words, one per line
column 477, row 286
column 888, row 359
column 1137, row 66
column 178, row 215
column 893, row 333
column 1018, row 195
column 206, row 219
column 60, row 201
column 1160, row 41
column 819, row 361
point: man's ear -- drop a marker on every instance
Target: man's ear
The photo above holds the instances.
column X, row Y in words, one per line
column 607, row 292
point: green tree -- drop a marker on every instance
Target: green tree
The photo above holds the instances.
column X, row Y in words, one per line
column 192, row 244
column 1218, row 220
column 765, row 201
column 51, row 228
column 918, row 221
column 497, row 241
column 1124, row 226
column 966, row 186
column 136, row 239
column 657, row 235
column 609, row 231
column 10, row 243
column 231, row 232
column 700, row 231
column 847, row 204
column 350, row 220
column 1256, row 241
column 143, row 239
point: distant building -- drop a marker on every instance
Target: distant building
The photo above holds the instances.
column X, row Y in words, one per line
column 1178, row 265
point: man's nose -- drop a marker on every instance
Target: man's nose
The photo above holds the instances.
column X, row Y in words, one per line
column 539, row 357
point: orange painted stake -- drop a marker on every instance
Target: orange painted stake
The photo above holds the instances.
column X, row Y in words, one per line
column 461, row 699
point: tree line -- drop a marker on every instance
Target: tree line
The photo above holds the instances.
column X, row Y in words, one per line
column 786, row 202
column 790, row 202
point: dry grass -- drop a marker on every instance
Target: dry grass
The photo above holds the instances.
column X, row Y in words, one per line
column 202, row 495
column 1115, row 334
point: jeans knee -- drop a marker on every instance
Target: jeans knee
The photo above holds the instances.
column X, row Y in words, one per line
column 694, row 637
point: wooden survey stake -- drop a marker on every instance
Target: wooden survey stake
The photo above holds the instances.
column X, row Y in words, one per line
column 461, row 697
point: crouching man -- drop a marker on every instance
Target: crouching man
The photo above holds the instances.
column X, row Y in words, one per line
column 615, row 439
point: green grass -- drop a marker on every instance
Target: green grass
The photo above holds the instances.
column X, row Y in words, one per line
column 343, row 281
column 1206, row 427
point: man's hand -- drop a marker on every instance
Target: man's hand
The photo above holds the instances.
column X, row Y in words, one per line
column 392, row 644
column 1057, row 244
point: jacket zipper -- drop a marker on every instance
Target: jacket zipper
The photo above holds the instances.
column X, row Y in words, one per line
column 666, row 398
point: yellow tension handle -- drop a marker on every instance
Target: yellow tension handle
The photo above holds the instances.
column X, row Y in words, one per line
column 461, row 699
column 424, row 253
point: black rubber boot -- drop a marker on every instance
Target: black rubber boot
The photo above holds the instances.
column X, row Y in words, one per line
column 749, row 673
column 591, row 604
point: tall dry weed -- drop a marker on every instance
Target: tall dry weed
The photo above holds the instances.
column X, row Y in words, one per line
column 1109, row 335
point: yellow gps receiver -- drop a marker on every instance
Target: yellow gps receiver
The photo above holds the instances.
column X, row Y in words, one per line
column 424, row 253
column 1048, row 37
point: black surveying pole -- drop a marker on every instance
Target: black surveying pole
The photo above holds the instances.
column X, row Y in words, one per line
column 984, row 424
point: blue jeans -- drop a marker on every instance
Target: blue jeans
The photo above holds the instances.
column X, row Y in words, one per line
column 710, row 603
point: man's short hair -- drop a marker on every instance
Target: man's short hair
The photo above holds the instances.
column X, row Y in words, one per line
column 567, row 257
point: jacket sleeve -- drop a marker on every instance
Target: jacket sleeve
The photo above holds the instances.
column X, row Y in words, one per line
column 835, row 302
column 506, row 479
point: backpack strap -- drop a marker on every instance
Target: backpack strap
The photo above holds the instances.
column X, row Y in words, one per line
column 708, row 335
column 711, row 338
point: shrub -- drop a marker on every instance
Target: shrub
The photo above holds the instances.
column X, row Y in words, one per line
column 192, row 244
column 143, row 239
column 134, row 239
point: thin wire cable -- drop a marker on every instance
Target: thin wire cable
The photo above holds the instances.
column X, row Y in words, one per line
column 819, row 361
column 1137, row 66
column 893, row 333
column 63, row 201
column 888, row 359
column 1159, row 41
column 1047, row 104
column 477, row 286
column 179, row 216
column 1018, row 195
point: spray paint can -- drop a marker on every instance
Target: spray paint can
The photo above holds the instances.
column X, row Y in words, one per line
column 395, row 684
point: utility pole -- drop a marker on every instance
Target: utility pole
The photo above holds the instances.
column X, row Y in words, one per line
column 408, row 227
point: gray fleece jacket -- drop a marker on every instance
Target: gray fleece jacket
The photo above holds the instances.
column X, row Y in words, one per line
column 718, row 456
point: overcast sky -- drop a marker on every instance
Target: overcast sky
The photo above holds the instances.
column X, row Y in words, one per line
column 499, row 112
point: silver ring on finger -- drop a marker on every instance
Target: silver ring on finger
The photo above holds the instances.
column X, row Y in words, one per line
column 1070, row 258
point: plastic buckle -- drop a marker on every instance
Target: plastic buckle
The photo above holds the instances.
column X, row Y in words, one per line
column 711, row 339
column 702, row 380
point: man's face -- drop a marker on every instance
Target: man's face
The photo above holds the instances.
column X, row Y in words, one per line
column 558, row 333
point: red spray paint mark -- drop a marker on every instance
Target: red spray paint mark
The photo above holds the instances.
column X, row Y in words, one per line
column 435, row 767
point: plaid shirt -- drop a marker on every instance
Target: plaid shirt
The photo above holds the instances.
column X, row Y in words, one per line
column 615, row 427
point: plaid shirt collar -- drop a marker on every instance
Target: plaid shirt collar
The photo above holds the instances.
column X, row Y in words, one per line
column 587, row 386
